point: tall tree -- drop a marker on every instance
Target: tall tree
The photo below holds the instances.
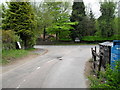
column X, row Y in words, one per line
column 1, row 10
column 3, row 14
column 62, row 27
column 92, row 27
column 89, row 24
column 44, row 18
column 119, row 17
column 58, row 12
column 78, row 14
column 106, row 19
column 20, row 18
column 50, row 14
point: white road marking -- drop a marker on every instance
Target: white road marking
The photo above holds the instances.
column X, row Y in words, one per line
column 21, row 83
column 38, row 68
column 18, row 86
column 49, row 61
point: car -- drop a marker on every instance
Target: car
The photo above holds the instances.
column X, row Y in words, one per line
column 77, row 39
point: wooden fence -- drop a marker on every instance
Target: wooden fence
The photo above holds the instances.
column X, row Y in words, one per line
column 100, row 59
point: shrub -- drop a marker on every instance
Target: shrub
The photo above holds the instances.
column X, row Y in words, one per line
column 98, row 38
column 9, row 39
column 108, row 79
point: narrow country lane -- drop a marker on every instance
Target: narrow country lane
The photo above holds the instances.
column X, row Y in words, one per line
column 61, row 67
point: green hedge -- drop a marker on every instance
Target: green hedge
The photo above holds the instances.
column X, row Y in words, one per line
column 98, row 38
column 65, row 39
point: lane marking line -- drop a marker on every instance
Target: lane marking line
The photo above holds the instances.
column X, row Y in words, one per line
column 21, row 83
column 18, row 86
column 49, row 61
column 38, row 68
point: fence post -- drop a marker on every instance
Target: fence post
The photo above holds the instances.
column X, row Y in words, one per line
column 95, row 48
column 94, row 58
column 92, row 52
column 109, row 54
column 99, row 67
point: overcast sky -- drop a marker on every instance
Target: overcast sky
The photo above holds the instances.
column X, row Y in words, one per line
column 93, row 4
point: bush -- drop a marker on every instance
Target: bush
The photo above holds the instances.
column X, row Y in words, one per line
column 98, row 38
column 9, row 39
column 108, row 79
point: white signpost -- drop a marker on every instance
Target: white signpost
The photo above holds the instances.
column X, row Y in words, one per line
column 18, row 43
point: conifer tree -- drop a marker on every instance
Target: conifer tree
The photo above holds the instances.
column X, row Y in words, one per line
column 92, row 28
column 78, row 14
column 20, row 18
column 119, row 17
column 106, row 19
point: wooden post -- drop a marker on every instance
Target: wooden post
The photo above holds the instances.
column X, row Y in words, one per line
column 56, row 36
column 100, row 63
column 95, row 49
column 92, row 51
column 99, row 67
column 94, row 57
column 109, row 55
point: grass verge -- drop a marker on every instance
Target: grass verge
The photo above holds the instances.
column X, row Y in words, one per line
column 10, row 55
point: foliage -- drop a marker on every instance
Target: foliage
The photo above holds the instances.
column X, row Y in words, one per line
column 60, row 23
column 92, row 24
column 30, row 19
column 43, row 17
column 49, row 14
column 98, row 38
column 62, row 29
column 0, row 15
column 78, row 14
column 108, row 79
column 117, row 25
column 9, row 39
column 9, row 55
column 106, row 19
column 19, row 17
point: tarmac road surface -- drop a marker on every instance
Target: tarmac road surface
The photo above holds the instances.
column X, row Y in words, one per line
column 61, row 67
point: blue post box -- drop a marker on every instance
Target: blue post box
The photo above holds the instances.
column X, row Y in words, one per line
column 115, row 53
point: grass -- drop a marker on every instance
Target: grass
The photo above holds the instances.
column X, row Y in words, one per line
column 30, row 49
column 9, row 55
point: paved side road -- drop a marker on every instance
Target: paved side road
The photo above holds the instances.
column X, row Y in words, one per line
column 61, row 67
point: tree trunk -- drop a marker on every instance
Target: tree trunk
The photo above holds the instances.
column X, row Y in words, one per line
column 25, row 44
column 56, row 36
column 44, row 33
